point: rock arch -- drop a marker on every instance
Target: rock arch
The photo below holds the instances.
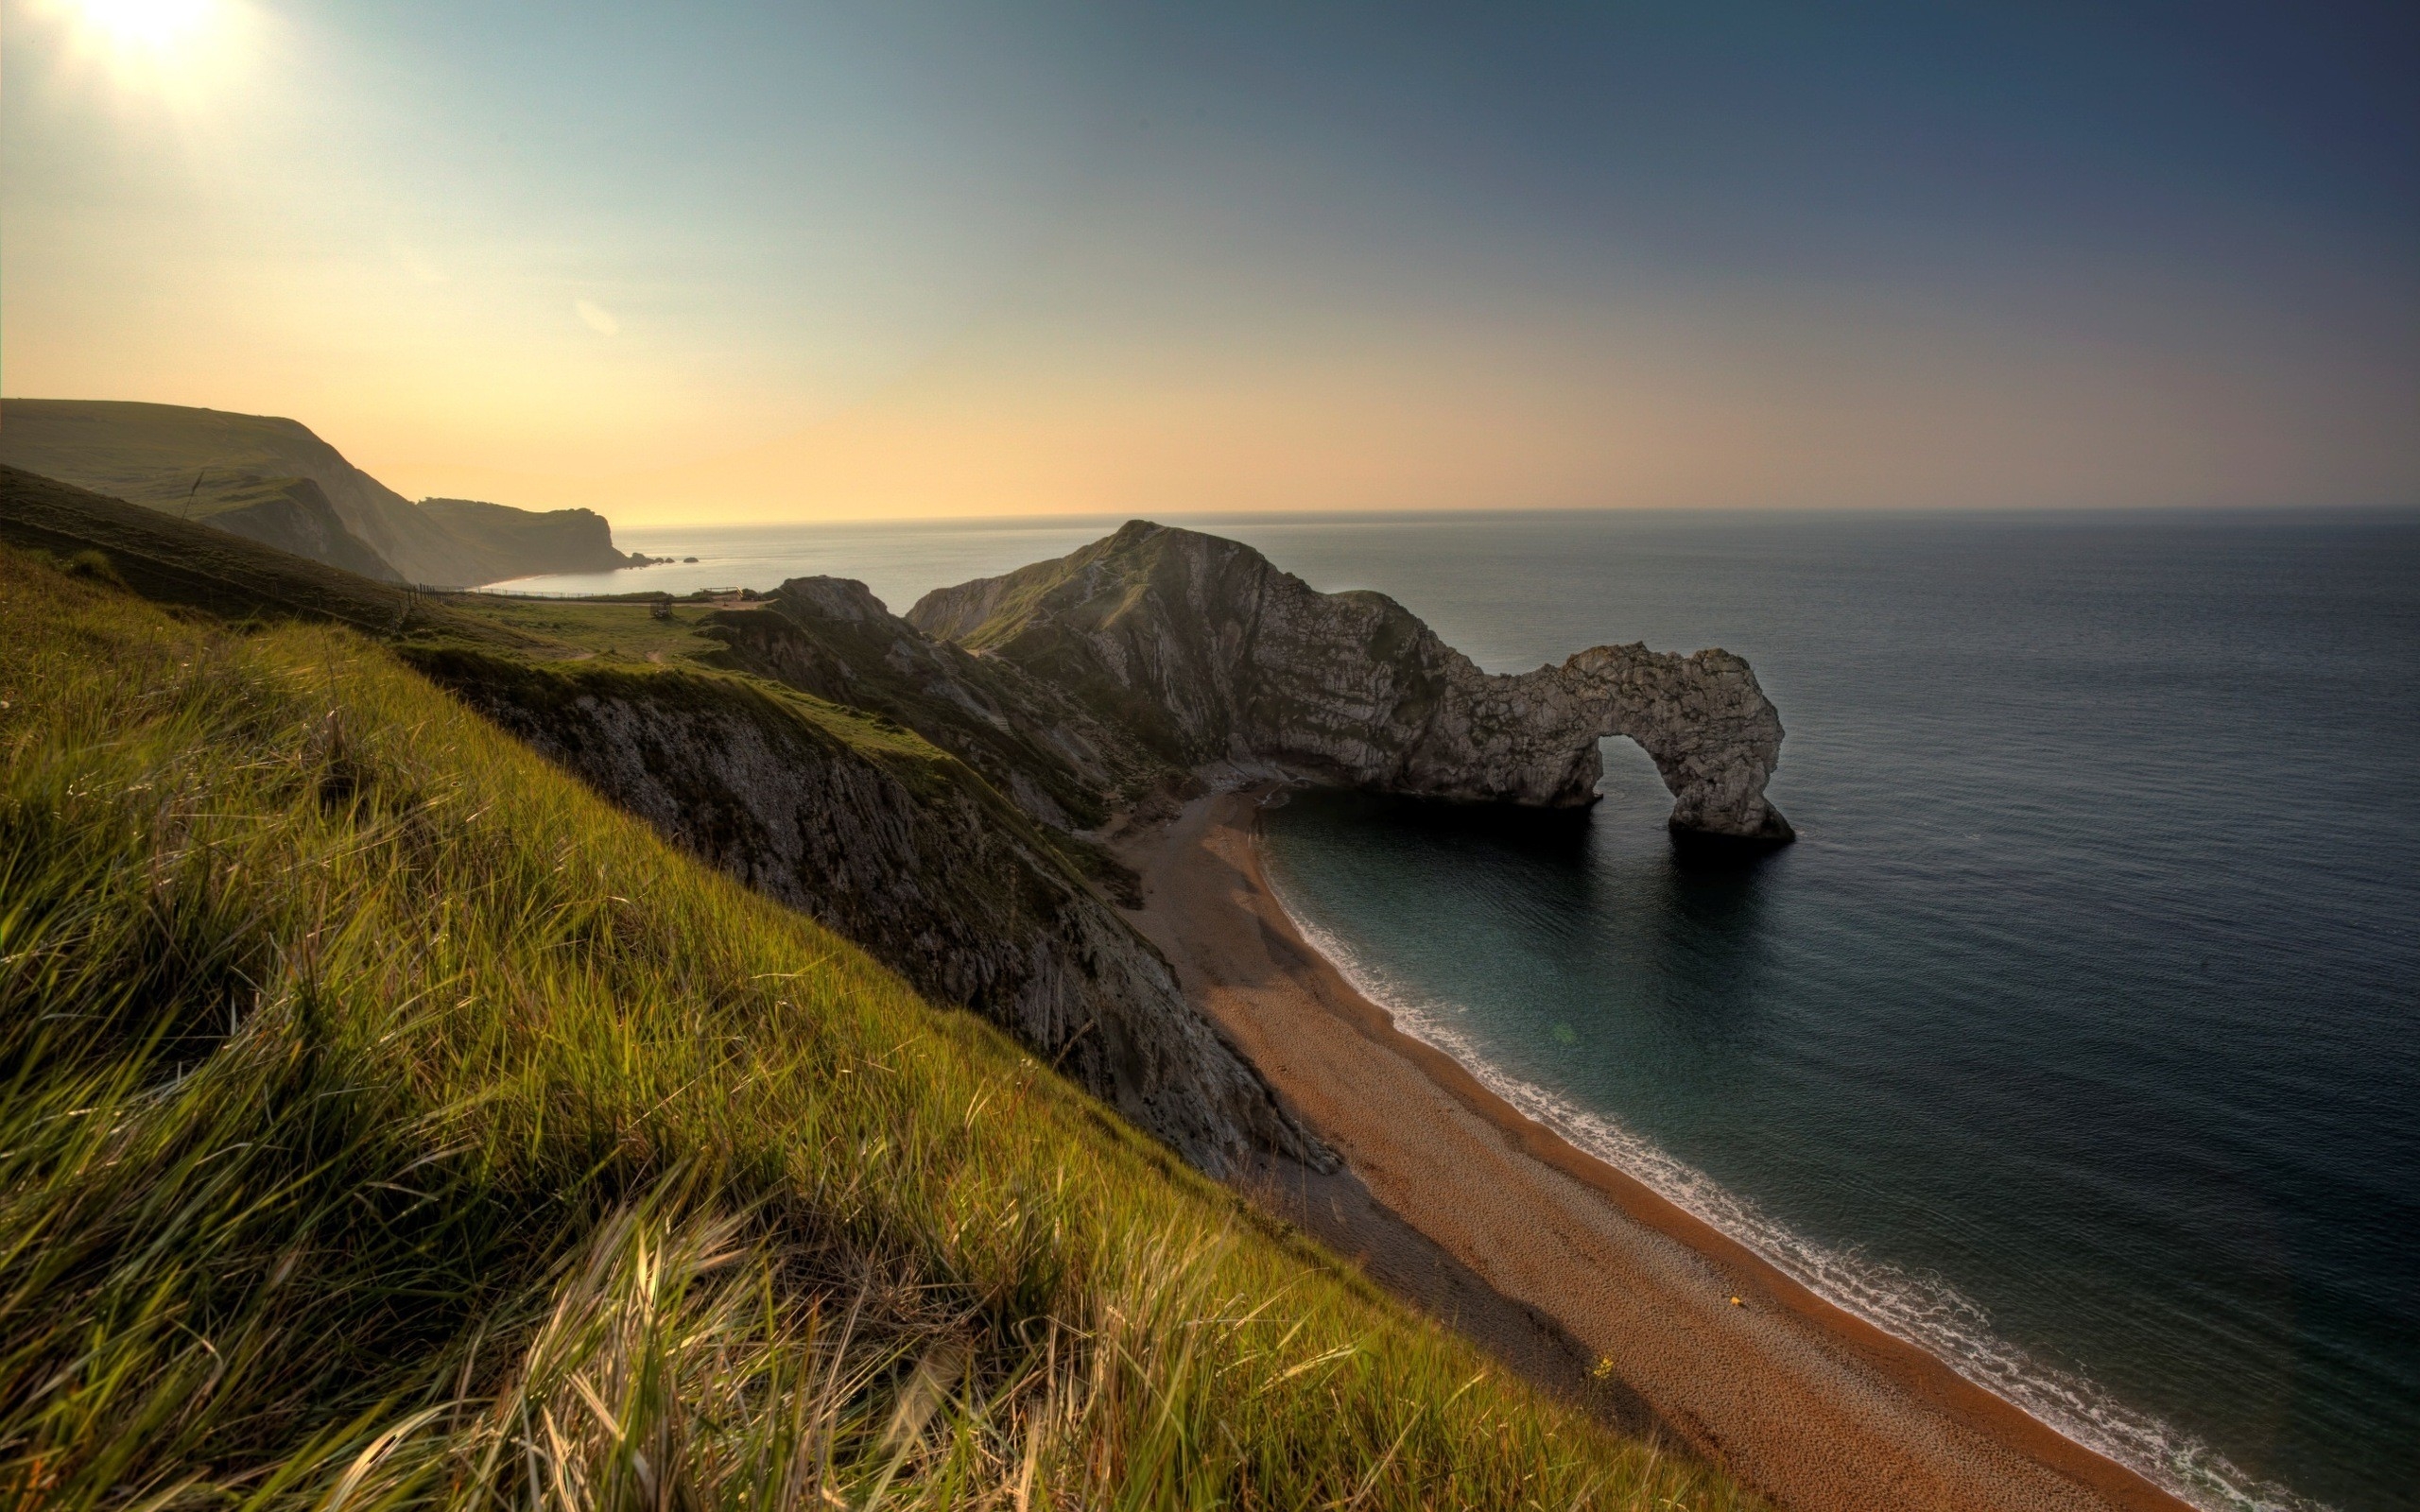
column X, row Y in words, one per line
column 1208, row 652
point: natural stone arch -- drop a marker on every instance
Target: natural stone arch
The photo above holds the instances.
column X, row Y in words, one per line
column 1208, row 652
column 1712, row 734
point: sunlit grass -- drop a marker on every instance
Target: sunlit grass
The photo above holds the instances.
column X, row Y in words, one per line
column 626, row 631
column 388, row 1122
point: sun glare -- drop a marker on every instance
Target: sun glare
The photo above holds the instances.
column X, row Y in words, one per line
column 181, row 52
column 156, row 24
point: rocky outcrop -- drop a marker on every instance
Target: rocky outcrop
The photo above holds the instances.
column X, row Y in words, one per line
column 1208, row 652
column 905, row 851
column 1040, row 747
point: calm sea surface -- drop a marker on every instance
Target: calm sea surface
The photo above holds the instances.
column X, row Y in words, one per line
column 2079, row 1036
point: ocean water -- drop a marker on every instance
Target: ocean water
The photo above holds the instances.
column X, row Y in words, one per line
column 899, row 561
column 2078, row 1039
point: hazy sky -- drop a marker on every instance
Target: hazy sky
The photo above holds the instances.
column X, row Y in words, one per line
column 708, row 261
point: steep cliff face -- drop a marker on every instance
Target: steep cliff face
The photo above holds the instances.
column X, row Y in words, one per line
column 293, row 515
column 902, row 848
column 522, row 542
column 1208, row 652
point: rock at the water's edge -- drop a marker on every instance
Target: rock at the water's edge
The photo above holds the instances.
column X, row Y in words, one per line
column 1209, row 653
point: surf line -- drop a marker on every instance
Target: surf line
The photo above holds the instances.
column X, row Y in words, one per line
column 1924, row 1311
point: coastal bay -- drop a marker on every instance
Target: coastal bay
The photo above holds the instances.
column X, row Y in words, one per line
column 1812, row 1405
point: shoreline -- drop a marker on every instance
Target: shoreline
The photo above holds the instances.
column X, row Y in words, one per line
column 1552, row 1257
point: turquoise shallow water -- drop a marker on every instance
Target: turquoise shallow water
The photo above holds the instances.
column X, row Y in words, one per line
column 2079, row 1037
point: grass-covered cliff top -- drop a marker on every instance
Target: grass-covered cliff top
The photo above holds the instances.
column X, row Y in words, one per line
column 195, row 463
column 389, row 1122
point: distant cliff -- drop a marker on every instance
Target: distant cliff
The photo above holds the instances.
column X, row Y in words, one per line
column 1208, row 652
column 524, row 542
column 218, row 468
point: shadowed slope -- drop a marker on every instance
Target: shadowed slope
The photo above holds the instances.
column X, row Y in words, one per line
column 180, row 562
column 1031, row 739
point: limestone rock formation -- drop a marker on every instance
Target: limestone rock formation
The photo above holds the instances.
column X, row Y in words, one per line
column 830, row 637
column 1208, row 652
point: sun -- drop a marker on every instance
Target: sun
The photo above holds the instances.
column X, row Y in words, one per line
column 154, row 25
column 181, row 52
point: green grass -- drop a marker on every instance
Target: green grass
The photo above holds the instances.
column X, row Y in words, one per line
column 182, row 562
column 625, row 631
column 389, row 1122
column 163, row 455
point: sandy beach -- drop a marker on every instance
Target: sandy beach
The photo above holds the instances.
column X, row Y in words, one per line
column 1558, row 1261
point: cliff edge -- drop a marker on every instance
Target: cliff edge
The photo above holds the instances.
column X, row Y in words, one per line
column 1208, row 652
column 899, row 847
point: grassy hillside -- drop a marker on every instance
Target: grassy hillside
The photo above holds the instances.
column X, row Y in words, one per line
column 835, row 810
column 292, row 514
column 180, row 562
column 390, row 1122
column 197, row 463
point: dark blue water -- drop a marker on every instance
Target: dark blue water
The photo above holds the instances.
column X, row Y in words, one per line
column 2079, row 1036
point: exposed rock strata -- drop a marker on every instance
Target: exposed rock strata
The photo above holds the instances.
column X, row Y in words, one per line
column 903, row 849
column 830, row 637
column 1208, row 652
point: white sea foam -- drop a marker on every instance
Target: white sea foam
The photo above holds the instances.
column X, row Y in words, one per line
column 1921, row 1308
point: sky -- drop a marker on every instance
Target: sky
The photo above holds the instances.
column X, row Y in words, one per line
column 694, row 264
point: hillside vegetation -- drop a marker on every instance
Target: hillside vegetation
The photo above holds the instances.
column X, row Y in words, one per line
column 274, row 481
column 177, row 562
column 845, row 811
column 391, row 1122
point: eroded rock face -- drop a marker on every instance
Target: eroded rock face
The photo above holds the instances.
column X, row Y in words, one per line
column 830, row 637
column 904, row 849
column 1208, row 652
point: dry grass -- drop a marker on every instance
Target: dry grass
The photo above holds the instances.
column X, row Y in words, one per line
column 388, row 1122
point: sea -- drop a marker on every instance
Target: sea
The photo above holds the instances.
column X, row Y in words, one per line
column 2077, row 1038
